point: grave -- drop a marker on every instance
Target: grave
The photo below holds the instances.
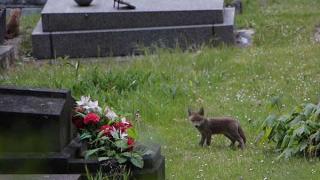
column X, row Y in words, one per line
column 66, row 29
column 2, row 24
column 6, row 52
column 23, row 2
column 38, row 118
column 37, row 138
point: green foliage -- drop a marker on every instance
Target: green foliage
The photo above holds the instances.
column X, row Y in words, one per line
column 295, row 133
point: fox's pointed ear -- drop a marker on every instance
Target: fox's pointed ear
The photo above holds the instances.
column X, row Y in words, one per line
column 201, row 111
column 189, row 111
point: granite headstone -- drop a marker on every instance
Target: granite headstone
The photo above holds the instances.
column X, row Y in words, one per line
column 23, row 2
column 36, row 137
column 66, row 29
column 34, row 120
column 2, row 24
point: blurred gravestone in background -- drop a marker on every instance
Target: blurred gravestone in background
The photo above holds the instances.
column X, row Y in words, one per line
column 6, row 52
column 2, row 24
column 102, row 30
column 23, row 2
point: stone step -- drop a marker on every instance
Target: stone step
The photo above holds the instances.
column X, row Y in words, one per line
column 120, row 42
column 65, row 15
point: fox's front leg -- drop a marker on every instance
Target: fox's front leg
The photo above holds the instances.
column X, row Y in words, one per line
column 209, row 140
column 203, row 137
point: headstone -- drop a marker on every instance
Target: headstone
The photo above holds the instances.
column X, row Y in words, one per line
column 23, row 2
column 41, row 177
column 36, row 137
column 2, row 24
column 57, row 14
column 102, row 30
column 34, row 120
column 6, row 56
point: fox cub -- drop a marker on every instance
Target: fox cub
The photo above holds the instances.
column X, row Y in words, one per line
column 217, row 125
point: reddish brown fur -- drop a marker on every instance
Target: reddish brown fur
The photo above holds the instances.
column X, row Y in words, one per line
column 217, row 125
column 13, row 24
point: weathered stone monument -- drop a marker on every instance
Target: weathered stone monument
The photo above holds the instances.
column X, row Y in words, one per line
column 23, row 2
column 6, row 52
column 66, row 29
column 2, row 24
column 36, row 137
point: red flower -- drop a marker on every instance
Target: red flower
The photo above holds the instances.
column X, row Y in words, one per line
column 91, row 118
column 106, row 130
column 78, row 122
column 122, row 126
column 130, row 143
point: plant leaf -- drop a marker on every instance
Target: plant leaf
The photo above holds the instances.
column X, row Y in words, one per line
column 103, row 158
column 90, row 152
column 270, row 120
column 121, row 159
column 137, row 161
column 132, row 133
column 85, row 135
column 308, row 109
column 121, row 144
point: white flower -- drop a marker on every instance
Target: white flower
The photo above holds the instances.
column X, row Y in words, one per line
column 84, row 100
column 92, row 106
column 114, row 132
column 110, row 114
column 124, row 121
column 123, row 135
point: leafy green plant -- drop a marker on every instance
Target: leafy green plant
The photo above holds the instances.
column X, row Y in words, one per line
column 295, row 133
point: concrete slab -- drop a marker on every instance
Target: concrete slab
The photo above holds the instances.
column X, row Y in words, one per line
column 118, row 42
column 41, row 43
column 41, row 177
column 224, row 33
column 65, row 15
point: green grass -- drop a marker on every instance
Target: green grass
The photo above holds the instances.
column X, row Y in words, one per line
column 284, row 61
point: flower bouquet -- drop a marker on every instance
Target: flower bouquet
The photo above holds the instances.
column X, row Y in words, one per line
column 109, row 137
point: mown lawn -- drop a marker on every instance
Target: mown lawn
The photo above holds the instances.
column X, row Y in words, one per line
column 284, row 61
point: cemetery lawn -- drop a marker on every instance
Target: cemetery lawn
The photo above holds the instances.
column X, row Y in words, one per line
column 284, row 61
